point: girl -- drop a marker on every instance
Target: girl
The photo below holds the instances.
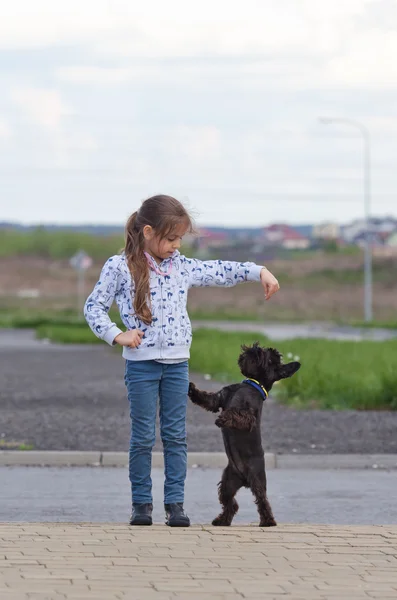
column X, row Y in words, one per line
column 150, row 281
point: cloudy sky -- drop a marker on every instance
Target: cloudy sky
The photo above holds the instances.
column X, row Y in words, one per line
column 216, row 102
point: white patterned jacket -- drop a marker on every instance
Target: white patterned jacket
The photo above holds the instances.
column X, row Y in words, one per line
column 170, row 334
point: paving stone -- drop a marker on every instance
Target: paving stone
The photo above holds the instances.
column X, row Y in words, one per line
column 62, row 562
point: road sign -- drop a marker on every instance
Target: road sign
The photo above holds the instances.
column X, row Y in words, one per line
column 81, row 261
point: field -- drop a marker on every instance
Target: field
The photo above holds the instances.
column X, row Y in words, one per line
column 319, row 286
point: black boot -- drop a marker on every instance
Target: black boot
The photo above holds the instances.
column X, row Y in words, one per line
column 176, row 516
column 141, row 514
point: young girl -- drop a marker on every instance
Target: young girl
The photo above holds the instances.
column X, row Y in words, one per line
column 150, row 281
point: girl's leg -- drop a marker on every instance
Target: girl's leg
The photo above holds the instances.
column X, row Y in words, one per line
column 173, row 400
column 142, row 379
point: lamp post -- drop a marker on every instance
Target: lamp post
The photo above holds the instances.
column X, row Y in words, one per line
column 368, row 314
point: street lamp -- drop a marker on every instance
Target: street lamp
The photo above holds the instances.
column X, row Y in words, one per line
column 367, row 207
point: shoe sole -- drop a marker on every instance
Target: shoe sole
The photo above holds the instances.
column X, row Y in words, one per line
column 141, row 522
column 178, row 524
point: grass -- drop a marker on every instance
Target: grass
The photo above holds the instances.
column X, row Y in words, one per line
column 30, row 319
column 57, row 244
column 372, row 324
column 70, row 334
column 34, row 319
column 225, row 315
column 382, row 273
column 334, row 374
column 13, row 445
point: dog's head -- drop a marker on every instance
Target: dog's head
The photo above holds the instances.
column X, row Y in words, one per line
column 265, row 365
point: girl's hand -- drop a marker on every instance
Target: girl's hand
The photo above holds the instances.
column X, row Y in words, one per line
column 131, row 338
column 269, row 283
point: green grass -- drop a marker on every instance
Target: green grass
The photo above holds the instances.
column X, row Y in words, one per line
column 37, row 320
column 373, row 324
column 13, row 445
column 225, row 315
column 57, row 244
column 32, row 319
column 334, row 375
column 67, row 334
column 382, row 273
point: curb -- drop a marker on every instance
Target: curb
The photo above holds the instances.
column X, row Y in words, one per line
column 214, row 460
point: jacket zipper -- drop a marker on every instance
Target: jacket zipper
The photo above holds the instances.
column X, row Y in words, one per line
column 162, row 311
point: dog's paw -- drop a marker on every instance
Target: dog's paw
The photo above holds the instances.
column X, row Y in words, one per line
column 220, row 521
column 219, row 422
column 192, row 390
column 268, row 523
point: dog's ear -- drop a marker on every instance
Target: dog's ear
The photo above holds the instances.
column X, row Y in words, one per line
column 289, row 369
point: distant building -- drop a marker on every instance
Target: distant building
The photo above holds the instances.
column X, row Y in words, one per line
column 285, row 236
column 327, row 231
column 353, row 232
column 391, row 240
column 207, row 239
column 389, row 248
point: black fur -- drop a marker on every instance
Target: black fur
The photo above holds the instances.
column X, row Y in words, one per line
column 241, row 406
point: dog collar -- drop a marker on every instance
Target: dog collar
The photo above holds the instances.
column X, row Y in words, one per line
column 257, row 386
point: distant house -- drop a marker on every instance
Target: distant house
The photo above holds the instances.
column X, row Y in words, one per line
column 383, row 227
column 285, row 236
column 382, row 244
column 391, row 240
column 376, row 239
column 326, row 231
column 390, row 245
column 211, row 239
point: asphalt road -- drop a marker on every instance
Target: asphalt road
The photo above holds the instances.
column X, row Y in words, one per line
column 102, row 494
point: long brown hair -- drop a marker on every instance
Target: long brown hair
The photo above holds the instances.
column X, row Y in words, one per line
column 163, row 214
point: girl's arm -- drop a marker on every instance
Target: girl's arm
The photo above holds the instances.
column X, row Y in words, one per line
column 101, row 299
column 228, row 274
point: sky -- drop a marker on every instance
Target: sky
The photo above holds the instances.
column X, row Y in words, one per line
column 103, row 104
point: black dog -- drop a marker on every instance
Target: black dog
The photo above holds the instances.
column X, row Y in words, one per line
column 240, row 419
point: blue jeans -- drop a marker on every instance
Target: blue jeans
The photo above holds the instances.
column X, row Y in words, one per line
column 146, row 382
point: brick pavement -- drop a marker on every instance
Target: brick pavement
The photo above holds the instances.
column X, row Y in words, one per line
column 108, row 561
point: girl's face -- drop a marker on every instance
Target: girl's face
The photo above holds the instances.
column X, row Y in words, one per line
column 162, row 248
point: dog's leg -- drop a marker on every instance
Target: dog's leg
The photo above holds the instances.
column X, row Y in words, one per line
column 228, row 487
column 207, row 400
column 258, row 488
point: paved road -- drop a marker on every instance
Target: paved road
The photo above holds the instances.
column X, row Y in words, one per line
column 102, row 494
